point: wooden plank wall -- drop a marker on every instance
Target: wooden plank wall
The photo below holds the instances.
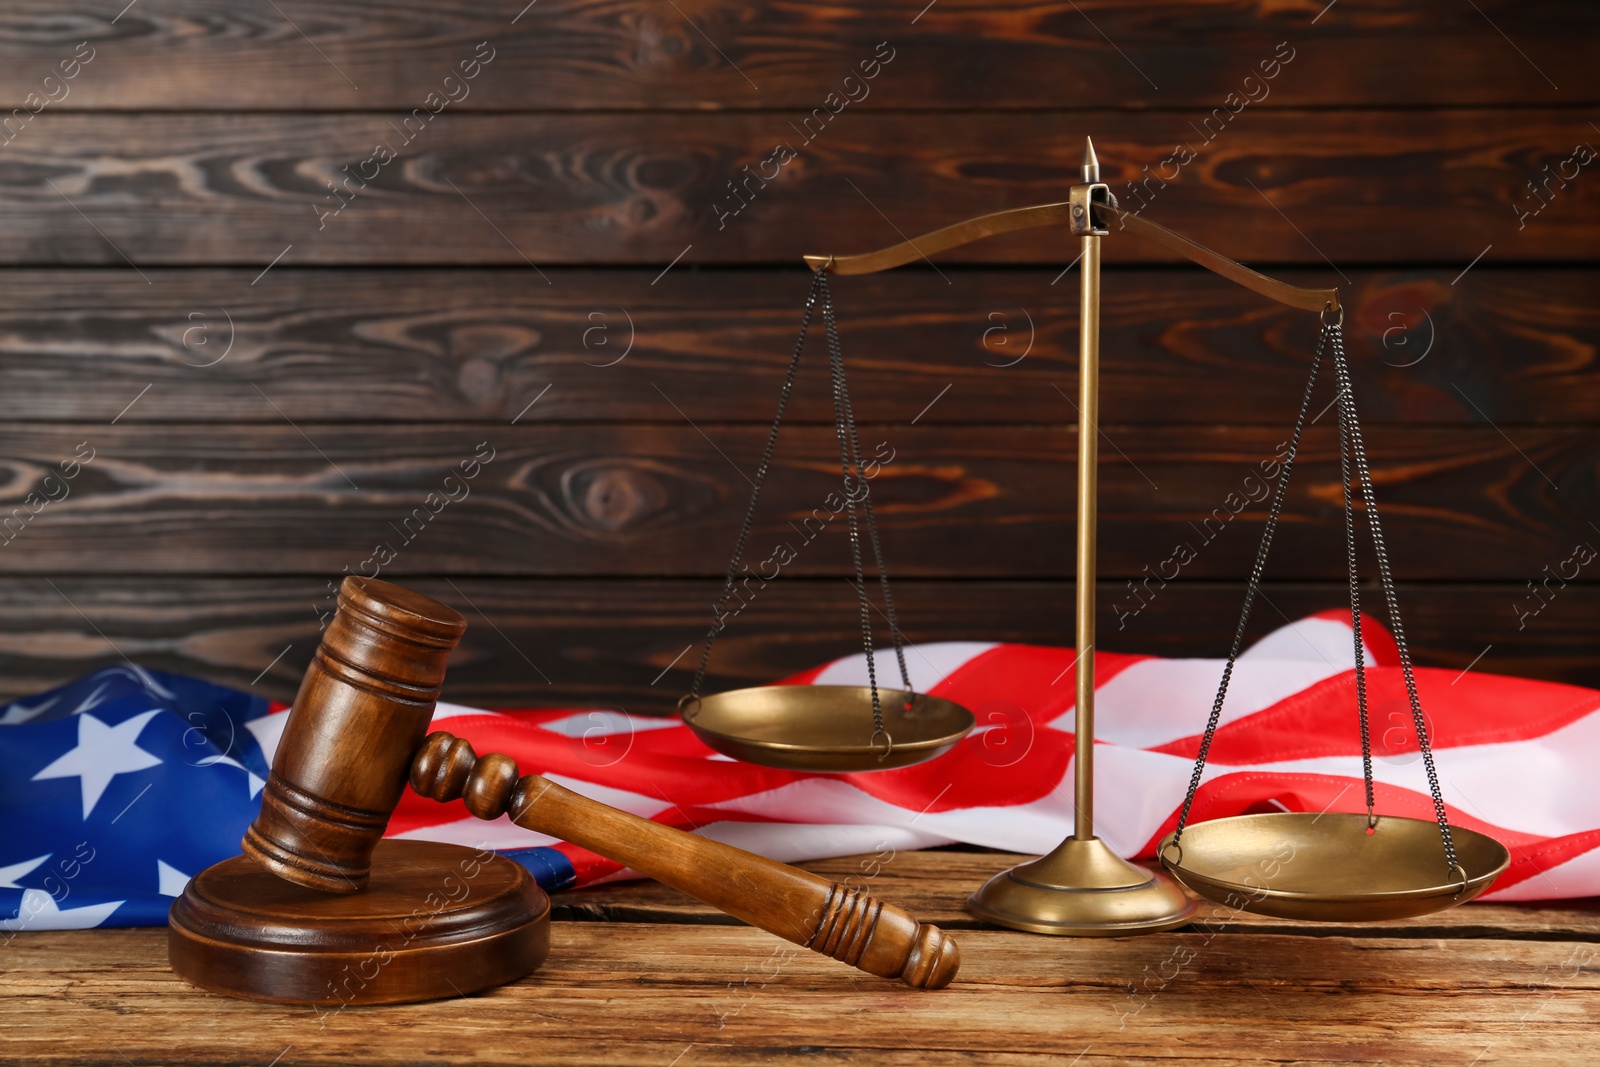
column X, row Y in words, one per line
column 271, row 275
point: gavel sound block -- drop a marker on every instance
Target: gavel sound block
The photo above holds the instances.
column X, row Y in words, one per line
column 319, row 910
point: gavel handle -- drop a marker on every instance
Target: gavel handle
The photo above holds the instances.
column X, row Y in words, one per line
column 810, row 911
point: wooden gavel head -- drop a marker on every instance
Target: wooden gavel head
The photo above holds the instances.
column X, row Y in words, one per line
column 357, row 722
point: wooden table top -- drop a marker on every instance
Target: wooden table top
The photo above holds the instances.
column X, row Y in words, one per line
column 640, row 974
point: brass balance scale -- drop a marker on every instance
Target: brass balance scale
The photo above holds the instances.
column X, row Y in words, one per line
column 1335, row 867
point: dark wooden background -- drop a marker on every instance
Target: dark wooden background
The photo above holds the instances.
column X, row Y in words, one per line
column 485, row 286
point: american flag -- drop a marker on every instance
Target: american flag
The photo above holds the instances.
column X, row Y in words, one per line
column 123, row 784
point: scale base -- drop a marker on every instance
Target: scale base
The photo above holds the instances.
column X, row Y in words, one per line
column 1082, row 889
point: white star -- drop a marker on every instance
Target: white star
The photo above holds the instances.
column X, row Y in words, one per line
column 170, row 880
column 9, row 875
column 40, row 912
column 103, row 752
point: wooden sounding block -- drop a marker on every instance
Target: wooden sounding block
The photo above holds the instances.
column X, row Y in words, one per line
column 321, row 910
column 435, row 921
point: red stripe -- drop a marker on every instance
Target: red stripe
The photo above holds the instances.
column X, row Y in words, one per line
column 1011, row 757
column 1322, row 720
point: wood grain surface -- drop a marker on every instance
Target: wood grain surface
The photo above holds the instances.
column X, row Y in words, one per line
column 667, row 498
column 1505, row 985
column 930, row 884
column 600, row 643
column 423, row 346
column 567, row 54
column 1322, row 187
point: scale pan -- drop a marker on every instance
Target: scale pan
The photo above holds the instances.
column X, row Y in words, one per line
column 1327, row 868
column 826, row 727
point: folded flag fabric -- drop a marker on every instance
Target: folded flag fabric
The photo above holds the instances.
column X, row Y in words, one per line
column 123, row 784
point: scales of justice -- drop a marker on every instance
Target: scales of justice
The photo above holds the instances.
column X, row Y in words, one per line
column 1345, row 867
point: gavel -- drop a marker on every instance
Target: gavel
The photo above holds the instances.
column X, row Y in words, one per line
column 355, row 736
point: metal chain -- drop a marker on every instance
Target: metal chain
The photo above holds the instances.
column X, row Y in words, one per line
column 1355, row 595
column 1391, row 602
column 1350, row 445
column 836, row 372
column 845, row 455
column 849, row 458
column 836, row 359
column 1252, row 588
column 817, row 286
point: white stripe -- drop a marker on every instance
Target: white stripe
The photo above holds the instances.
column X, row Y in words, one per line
column 443, row 710
column 477, row 833
column 1540, row 786
column 785, row 842
column 606, row 724
column 268, row 729
column 1033, row 827
column 500, row 833
column 1535, row 787
column 1319, row 640
column 1577, row 877
column 1157, row 701
column 640, row 804
column 793, row 842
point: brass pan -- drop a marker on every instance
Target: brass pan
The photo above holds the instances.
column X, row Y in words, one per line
column 826, row 727
column 1328, row 868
